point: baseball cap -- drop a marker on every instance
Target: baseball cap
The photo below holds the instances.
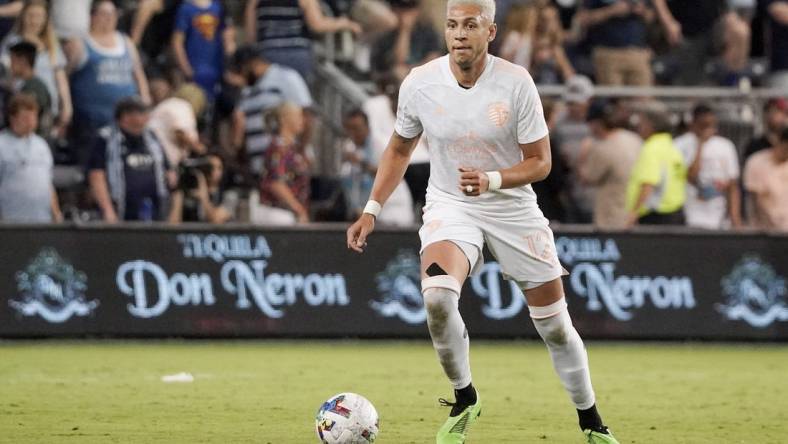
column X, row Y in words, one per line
column 579, row 89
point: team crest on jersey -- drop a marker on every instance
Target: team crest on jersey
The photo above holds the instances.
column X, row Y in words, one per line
column 499, row 114
column 756, row 294
column 399, row 285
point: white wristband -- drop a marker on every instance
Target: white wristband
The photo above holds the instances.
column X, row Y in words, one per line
column 373, row 208
column 496, row 180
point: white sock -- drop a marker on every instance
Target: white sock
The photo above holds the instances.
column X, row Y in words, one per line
column 449, row 336
column 567, row 351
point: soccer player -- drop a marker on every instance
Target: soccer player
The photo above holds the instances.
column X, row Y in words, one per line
column 488, row 140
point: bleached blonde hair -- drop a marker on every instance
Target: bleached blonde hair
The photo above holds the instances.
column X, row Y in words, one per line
column 486, row 6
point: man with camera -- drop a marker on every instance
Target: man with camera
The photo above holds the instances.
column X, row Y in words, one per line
column 198, row 197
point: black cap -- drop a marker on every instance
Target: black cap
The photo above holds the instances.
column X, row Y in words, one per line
column 131, row 104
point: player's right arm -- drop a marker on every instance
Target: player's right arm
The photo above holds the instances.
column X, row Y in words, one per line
column 391, row 170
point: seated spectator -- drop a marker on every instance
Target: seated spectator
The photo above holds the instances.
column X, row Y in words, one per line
column 128, row 171
column 778, row 50
column 713, row 194
column 765, row 179
column 71, row 18
column 34, row 26
column 413, row 43
column 199, row 197
column 9, row 10
column 26, row 191
column 281, row 29
column 284, row 188
column 775, row 118
column 199, row 43
column 23, row 59
column 105, row 68
column 607, row 166
column 174, row 121
column 268, row 86
column 657, row 186
column 617, row 30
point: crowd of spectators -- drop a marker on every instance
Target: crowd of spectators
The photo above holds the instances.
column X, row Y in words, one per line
column 202, row 111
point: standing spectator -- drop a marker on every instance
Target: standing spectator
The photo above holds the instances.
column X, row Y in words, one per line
column 268, row 86
column 281, row 29
column 105, row 68
column 71, row 18
column 657, row 187
column 9, row 10
column 26, row 191
column 369, row 148
column 198, row 43
column 152, row 27
column 607, row 166
column 414, row 43
column 199, row 195
column 778, row 49
column 128, row 171
column 284, row 188
column 519, row 33
column 356, row 171
column 699, row 29
column 766, row 181
column 552, row 190
column 381, row 112
column 570, row 132
column 617, row 29
column 23, row 58
column 34, row 26
column 713, row 194
column 775, row 116
column 550, row 64
column 174, row 121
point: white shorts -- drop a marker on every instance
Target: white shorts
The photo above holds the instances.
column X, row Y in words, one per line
column 521, row 240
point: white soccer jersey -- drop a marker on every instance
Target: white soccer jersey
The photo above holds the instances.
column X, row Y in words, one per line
column 480, row 127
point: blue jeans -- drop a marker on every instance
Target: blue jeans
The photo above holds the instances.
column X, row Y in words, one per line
column 301, row 60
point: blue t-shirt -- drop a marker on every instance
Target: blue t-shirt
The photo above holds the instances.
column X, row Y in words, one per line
column 203, row 29
column 619, row 32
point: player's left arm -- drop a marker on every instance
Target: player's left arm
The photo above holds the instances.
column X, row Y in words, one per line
column 535, row 166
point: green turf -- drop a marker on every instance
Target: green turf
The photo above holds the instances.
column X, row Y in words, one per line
column 268, row 392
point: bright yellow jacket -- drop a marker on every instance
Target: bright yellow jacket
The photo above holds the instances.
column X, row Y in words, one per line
column 660, row 164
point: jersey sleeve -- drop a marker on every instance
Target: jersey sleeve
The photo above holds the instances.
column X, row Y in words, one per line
column 531, row 125
column 408, row 123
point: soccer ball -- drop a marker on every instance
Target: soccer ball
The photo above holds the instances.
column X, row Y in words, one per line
column 347, row 418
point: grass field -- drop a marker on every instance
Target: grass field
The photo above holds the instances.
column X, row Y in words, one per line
column 268, row 392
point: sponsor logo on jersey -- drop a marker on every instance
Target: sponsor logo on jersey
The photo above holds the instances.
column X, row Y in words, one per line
column 499, row 114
